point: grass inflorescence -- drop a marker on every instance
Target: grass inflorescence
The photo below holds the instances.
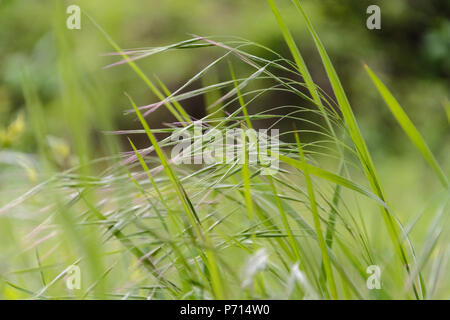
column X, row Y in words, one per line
column 149, row 227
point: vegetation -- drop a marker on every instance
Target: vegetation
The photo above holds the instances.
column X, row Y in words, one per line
column 141, row 226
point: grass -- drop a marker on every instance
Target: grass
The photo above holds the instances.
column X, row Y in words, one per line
column 145, row 227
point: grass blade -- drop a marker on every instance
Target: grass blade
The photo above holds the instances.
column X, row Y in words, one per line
column 359, row 142
column 407, row 126
column 317, row 227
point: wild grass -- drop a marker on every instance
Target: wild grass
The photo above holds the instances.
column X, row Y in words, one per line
column 147, row 228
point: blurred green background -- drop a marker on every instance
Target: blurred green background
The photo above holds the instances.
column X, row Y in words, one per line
column 61, row 73
column 80, row 99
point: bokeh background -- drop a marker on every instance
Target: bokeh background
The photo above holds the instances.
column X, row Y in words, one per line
column 80, row 99
column 62, row 72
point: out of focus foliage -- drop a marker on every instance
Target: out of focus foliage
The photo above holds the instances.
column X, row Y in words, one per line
column 411, row 51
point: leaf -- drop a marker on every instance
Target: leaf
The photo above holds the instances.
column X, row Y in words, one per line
column 407, row 126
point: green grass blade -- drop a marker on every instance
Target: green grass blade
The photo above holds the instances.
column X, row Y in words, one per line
column 359, row 142
column 317, row 227
column 332, row 216
column 240, row 97
column 407, row 126
column 177, row 105
column 327, row 175
column 216, row 281
column 246, row 177
column 446, row 105
column 295, row 53
column 301, row 65
column 137, row 252
column 135, row 67
column 191, row 215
